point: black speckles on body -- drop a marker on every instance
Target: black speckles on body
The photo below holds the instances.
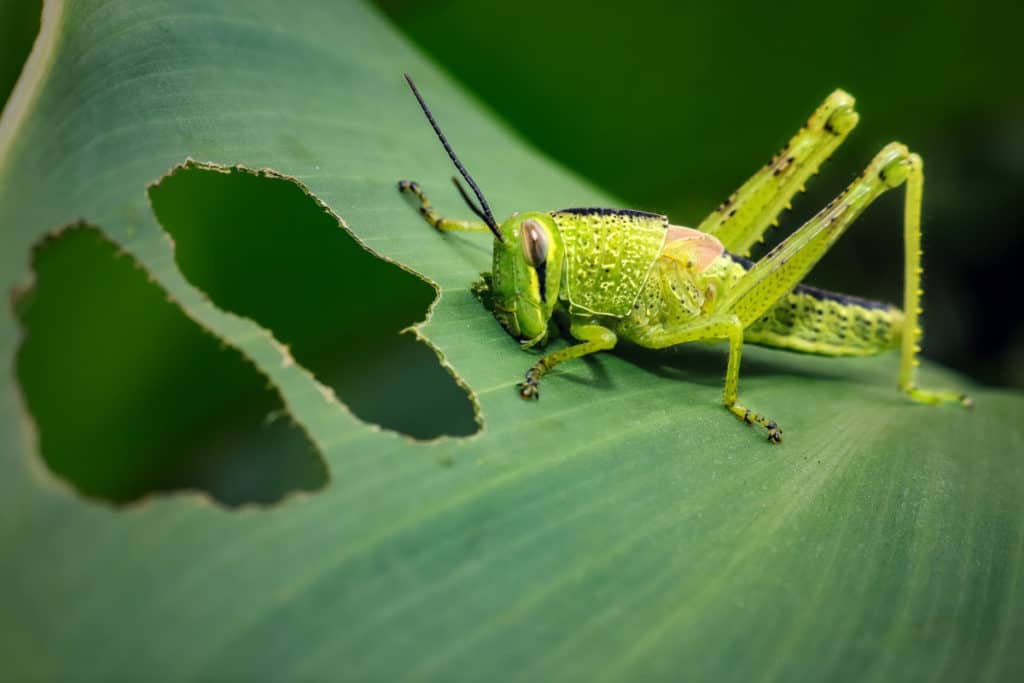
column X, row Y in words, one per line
column 816, row 321
column 727, row 203
column 780, row 163
column 597, row 211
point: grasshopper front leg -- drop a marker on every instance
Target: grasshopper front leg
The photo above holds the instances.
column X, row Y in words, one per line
column 432, row 217
column 593, row 338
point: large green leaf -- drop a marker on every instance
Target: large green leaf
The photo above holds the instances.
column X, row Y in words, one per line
column 625, row 527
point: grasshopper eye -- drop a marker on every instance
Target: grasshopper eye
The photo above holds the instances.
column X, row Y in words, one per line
column 535, row 243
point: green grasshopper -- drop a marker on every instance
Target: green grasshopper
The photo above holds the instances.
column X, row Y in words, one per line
column 624, row 275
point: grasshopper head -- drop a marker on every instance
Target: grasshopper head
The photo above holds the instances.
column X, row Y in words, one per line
column 527, row 275
column 527, row 256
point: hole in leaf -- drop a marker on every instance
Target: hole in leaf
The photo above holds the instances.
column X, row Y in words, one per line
column 263, row 248
column 130, row 396
column 19, row 25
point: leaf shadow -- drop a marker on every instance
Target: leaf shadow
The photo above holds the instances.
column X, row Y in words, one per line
column 706, row 364
column 598, row 377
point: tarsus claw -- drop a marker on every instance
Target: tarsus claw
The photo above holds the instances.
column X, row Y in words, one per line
column 529, row 390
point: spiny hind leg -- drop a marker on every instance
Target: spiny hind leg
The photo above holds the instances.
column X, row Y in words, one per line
column 432, row 217
column 911, row 343
column 741, row 220
column 726, row 327
column 787, row 264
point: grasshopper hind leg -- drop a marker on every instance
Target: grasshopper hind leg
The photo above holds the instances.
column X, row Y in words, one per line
column 779, row 272
column 742, row 219
column 911, row 343
column 786, row 265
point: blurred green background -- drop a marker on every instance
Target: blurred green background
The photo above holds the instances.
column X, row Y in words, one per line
column 670, row 106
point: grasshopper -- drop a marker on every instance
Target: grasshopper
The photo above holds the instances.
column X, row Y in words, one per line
column 625, row 275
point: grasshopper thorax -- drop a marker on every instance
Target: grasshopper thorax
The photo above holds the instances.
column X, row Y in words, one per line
column 527, row 275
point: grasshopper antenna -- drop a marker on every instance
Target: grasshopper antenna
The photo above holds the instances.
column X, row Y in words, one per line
column 469, row 201
column 485, row 212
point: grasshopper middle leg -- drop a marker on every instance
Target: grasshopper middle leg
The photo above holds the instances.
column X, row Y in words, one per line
column 726, row 327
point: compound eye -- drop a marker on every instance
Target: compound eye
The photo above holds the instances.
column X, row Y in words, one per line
column 535, row 243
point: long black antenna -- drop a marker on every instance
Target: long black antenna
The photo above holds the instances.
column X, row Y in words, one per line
column 469, row 200
column 486, row 214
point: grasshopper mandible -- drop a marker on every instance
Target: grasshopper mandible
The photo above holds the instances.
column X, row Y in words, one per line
column 619, row 274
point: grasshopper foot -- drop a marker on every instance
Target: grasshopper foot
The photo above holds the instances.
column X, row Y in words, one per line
column 933, row 397
column 529, row 387
column 529, row 390
column 750, row 417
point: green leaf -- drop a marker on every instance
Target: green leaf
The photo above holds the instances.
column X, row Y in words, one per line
column 623, row 528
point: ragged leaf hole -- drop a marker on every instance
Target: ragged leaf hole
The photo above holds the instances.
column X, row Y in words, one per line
column 260, row 246
column 131, row 397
